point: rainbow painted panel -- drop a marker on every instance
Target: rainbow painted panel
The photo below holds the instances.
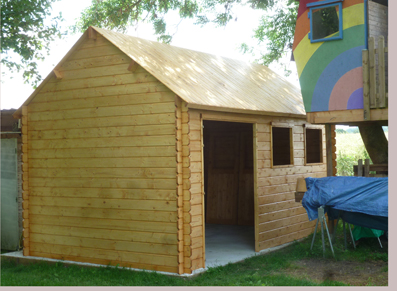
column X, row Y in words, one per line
column 330, row 72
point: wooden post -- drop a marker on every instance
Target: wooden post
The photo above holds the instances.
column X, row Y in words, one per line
column 330, row 172
column 256, row 202
column 360, row 168
column 366, row 168
column 91, row 33
column 328, row 137
column 367, row 108
column 179, row 174
column 381, row 72
column 372, row 73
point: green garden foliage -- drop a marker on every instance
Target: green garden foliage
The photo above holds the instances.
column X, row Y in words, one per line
column 26, row 32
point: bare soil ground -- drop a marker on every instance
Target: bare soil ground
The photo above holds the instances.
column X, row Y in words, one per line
column 348, row 272
column 353, row 273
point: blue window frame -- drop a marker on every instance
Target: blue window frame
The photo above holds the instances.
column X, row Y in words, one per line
column 326, row 21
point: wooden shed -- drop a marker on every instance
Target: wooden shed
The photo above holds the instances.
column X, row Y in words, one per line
column 131, row 146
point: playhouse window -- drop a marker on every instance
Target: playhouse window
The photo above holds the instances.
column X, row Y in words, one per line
column 325, row 20
column 282, row 151
column 313, row 145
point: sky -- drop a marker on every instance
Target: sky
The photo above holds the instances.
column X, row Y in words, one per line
column 223, row 41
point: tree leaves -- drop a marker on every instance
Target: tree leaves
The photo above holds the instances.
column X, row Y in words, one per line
column 25, row 35
column 277, row 32
column 119, row 14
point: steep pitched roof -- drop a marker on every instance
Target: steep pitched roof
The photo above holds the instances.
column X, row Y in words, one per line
column 210, row 82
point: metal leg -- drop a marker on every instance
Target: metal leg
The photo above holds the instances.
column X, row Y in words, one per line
column 380, row 243
column 314, row 235
column 351, row 234
column 329, row 238
column 322, row 220
column 322, row 236
column 344, row 234
column 334, row 233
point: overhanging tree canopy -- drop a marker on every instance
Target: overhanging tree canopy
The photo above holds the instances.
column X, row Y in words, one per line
column 26, row 35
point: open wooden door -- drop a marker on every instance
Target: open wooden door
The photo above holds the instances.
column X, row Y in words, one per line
column 229, row 186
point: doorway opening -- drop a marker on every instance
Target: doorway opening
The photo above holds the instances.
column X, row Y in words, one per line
column 229, row 191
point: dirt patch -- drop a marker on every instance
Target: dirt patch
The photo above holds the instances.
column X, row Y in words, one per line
column 348, row 272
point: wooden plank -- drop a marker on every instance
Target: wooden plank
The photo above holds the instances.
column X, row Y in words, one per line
column 108, row 152
column 121, row 183
column 277, row 189
column 328, row 137
column 284, row 222
column 96, row 62
column 281, row 214
column 89, row 80
column 86, row 74
column 126, row 89
column 133, row 66
column 366, row 168
column 292, row 228
column 360, row 168
column 131, row 173
column 345, row 116
column 92, row 53
column 99, row 41
column 285, row 238
column 112, row 111
column 105, row 262
column 104, row 223
column 256, row 157
column 140, row 141
column 273, row 198
column 122, row 214
column 58, row 75
column 165, row 118
column 381, row 73
column 156, row 205
column 137, row 162
column 137, row 130
column 291, row 170
column 372, row 73
column 92, row 34
column 105, row 193
column 111, row 245
column 129, row 257
column 271, row 207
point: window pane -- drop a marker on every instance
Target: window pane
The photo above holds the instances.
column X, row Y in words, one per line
column 314, row 150
column 281, row 146
column 325, row 22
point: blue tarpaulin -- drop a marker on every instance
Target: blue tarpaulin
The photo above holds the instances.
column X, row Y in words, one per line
column 356, row 197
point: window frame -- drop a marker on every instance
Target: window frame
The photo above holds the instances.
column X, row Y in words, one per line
column 291, row 144
column 324, row 4
column 318, row 127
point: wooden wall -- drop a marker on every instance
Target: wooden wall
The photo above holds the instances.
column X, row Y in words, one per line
column 100, row 180
column 378, row 25
column 278, row 218
column 190, row 188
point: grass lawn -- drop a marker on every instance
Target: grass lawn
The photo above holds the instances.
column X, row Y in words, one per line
column 295, row 265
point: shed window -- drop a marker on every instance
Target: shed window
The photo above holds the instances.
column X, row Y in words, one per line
column 282, row 146
column 325, row 20
column 314, row 145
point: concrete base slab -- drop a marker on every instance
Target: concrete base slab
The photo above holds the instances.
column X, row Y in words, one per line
column 224, row 244
column 228, row 243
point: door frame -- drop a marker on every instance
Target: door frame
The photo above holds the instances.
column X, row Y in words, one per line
column 230, row 118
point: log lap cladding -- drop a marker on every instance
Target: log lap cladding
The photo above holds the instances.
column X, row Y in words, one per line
column 114, row 162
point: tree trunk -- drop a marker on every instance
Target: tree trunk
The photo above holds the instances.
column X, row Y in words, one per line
column 375, row 143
